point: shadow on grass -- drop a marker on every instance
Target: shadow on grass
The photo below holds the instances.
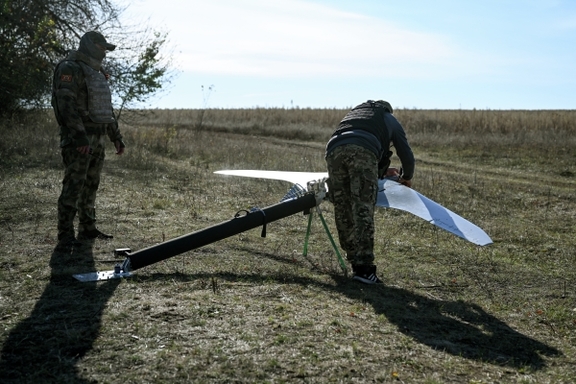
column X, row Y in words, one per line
column 456, row 327
column 62, row 327
column 460, row 328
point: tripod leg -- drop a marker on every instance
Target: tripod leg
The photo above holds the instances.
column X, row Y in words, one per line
column 305, row 251
column 340, row 260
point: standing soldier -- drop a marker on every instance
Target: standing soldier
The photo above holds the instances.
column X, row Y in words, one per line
column 82, row 103
column 357, row 155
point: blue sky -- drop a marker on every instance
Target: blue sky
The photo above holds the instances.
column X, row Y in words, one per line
column 441, row 54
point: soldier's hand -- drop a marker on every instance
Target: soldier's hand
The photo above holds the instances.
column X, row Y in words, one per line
column 407, row 183
column 85, row 149
column 392, row 172
column 119, row 144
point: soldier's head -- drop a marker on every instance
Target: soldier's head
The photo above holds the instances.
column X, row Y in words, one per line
column 94, row 44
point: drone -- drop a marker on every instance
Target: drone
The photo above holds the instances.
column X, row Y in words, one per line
column 308, row 191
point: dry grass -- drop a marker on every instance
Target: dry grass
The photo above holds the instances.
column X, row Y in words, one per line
column 251, row 309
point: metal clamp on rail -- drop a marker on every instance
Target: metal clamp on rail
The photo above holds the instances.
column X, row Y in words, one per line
column 318, row 187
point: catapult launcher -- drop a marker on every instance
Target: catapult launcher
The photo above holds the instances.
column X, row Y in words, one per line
column 295, row 201
column 391, row 194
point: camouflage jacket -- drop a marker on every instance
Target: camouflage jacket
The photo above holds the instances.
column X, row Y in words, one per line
column 73, row 96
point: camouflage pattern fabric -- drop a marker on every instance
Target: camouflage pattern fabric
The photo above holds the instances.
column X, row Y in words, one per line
column 353, row 188
column 79, row 186
column 83, row 108
column 71, row 101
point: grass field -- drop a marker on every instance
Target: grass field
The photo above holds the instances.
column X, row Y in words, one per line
column 249, row 309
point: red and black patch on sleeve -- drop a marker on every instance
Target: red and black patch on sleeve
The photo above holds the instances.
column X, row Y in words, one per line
column 66, row 78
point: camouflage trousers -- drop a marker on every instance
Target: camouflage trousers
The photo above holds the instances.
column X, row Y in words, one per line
column 353, row 188
column 79, row 186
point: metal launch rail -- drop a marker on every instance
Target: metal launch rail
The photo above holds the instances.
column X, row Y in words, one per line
column 256, row 217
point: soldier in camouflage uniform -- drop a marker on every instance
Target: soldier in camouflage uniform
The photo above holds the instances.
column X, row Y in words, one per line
column 82, row 103
column 357, row 155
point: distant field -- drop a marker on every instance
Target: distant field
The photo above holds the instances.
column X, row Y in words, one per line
column 251, row 309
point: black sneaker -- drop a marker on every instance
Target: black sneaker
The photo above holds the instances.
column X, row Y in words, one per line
column 93, row 234
column 366, row 274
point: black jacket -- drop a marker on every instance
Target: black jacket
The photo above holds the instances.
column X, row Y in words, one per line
column 372, row 125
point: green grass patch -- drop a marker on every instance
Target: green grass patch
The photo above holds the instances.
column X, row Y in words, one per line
column 253, row 309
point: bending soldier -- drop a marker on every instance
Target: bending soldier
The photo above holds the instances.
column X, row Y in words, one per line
column 357, row 155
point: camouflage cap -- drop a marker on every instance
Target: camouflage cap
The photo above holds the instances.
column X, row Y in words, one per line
column 98, row 38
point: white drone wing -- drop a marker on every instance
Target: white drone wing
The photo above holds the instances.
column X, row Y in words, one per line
column 300, row 178
column 392, row 195
column 395, row 195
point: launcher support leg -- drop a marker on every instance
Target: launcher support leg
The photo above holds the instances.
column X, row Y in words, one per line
column 308, row 230
column 340, row 259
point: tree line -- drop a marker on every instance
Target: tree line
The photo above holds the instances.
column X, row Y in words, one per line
column 36, row 34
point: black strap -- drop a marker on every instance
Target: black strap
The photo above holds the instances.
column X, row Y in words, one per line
column 255, row 209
